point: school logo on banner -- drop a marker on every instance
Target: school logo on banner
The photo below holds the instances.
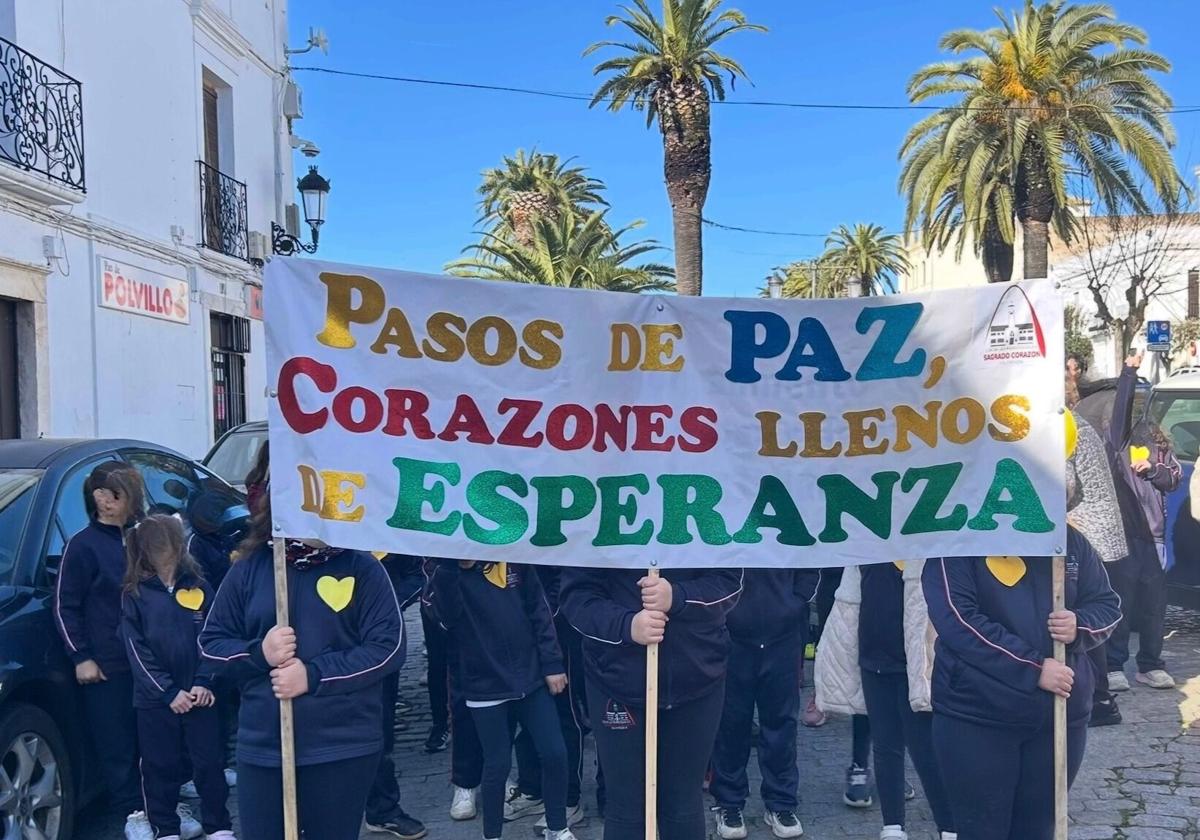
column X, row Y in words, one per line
column 1015, row 332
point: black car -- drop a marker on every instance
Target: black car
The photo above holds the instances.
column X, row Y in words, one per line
column 45, row 769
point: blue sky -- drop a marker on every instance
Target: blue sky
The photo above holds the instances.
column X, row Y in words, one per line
column 405, row 160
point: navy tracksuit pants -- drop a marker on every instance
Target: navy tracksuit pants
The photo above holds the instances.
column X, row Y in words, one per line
column 572, row 719
column 168, row 742
column 112, row 726
column 1000, row 779
column 466, row 752
column 766, row 677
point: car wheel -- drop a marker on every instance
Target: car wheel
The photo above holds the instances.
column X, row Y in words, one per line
column 37, row 798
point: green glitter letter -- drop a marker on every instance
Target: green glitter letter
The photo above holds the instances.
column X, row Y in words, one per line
column 413, row 495
column 679, row 506
column 510, row 517
column 1022, row 502
column 784, row 516
column 842, row 496
column 939, row 481
column 552, row 511
column 614, row 511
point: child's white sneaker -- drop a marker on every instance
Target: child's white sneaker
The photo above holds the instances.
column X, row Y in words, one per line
column 189, row 826
column 462, row 807
column 783, row 824
column 564, row 834
column 137, row 827
column 230, row 777
column 575, row 815
column 893, row 832
column 222, row 835
column 188, row 791
column 949, row 835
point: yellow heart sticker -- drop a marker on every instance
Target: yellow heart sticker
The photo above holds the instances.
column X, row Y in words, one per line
column 497, row 574
column 1072, row 438
column 336, row 593
column 191, row 599
column 1008, row 569
column 1138, row 453
column 899, row 564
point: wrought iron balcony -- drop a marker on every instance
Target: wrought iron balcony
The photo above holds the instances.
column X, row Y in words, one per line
column 41, row 117
column 223, row 213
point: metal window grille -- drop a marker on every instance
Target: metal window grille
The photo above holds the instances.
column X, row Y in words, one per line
column 230, row 343
column 41, row 117
column 223, row 225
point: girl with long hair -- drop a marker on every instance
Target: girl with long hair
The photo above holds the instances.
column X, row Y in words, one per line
column 166, row 600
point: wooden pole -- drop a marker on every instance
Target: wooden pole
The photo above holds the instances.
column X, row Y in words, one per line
column 1060, row 714
column 652, row 735
column 287, row 743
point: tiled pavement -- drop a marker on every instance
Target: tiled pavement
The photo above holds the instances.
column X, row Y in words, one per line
column 1140, row 781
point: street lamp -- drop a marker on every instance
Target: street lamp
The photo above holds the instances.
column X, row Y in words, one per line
column 314, row 191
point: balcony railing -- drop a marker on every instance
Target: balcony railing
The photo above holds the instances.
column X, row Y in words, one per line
column 223, row 213
column 41, row 117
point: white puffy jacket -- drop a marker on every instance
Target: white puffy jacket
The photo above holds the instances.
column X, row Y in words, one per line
column 837, row 675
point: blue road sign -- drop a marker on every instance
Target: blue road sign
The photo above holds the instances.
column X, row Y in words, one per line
column 1158, row 336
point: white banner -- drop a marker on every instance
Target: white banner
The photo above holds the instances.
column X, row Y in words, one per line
column 493, row 421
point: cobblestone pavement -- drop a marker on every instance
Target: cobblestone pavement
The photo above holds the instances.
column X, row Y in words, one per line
column 1140, row 780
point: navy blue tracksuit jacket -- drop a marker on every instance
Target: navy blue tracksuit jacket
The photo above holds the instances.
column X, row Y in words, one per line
column 349, row 634
column 505, row 637
column 773, row 604
column 87, row 597
column 161, row 628
column 993, row 638
column 601, row 604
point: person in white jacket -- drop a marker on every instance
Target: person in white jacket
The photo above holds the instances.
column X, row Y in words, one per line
column 882, row 668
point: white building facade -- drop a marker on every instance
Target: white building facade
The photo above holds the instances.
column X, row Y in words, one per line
column 143, row 146
column 1167, row 251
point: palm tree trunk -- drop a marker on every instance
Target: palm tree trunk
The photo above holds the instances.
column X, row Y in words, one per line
column 689, row 246
column 1037, row 248
column 683, row 117
column 1035, row 207
column 997, row 254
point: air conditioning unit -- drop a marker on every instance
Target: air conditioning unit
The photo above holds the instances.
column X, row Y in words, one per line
column 258, row 246
column 293, row 101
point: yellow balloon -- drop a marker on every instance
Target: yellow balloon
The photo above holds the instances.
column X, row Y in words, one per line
column 1072, row 433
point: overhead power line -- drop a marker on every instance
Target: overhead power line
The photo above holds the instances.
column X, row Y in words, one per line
column 585, row 97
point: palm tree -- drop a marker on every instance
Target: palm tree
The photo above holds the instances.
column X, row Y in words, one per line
column 527, row 187
column 942, row 206
column 570, row 250
column 867, row 254
column 670, row 70
column 1036, row 99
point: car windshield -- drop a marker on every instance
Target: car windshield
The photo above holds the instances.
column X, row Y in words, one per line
column 234, row 458
column 1178, row 414
column 16, row 497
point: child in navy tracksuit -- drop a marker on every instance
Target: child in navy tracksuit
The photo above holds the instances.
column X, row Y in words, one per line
column 768, row 629
column 995, row 678
column 526, row 797
column 87, row 611
column 510, row 665
column 619, row 613
column 164, row 605
column 348, row 635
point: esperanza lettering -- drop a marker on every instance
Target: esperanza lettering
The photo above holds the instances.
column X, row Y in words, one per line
column 510, row 422
column 504, row 507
